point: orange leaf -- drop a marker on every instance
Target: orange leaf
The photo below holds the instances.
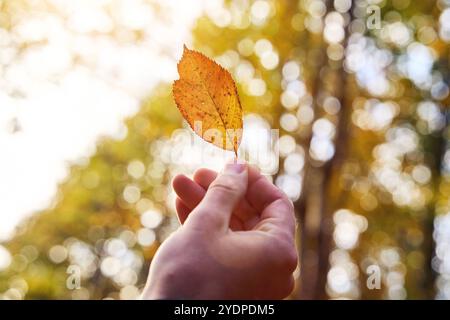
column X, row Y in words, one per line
column 207, row 97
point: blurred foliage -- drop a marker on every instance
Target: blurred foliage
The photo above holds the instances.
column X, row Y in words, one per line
column 364, row 155
column 91, row 219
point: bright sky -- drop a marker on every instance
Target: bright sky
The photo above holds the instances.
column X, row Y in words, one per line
column 74, row 83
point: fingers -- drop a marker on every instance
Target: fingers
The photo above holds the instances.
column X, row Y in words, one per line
column 263, row 206
column 189, row 196
column 222, row 197
column 247, row 216
column 182, row 210
column 279, row 216
column 204, row 177
column 275, row 207
column 189, row 192
column 262, row 192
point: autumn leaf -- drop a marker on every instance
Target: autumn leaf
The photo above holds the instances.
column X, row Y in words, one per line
column 207, row 97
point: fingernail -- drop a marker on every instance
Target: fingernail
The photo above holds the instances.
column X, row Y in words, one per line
column 234, row 167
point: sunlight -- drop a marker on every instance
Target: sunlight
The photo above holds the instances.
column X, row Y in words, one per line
column 82, row 73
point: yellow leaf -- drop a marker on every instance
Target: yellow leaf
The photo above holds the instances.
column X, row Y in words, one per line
column 207, row 97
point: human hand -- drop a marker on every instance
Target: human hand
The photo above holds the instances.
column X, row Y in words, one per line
column 236, row 241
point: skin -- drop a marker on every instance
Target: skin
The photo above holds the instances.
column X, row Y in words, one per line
column 236, row 240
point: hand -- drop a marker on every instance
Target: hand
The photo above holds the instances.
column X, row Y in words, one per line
column 236, row 241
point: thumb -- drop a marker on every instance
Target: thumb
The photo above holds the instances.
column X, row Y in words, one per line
column 222, row 197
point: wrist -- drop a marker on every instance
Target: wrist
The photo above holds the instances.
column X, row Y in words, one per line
column 186, row 288
column 174, row 285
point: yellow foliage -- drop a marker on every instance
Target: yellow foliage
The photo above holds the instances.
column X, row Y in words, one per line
column 207, row 97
